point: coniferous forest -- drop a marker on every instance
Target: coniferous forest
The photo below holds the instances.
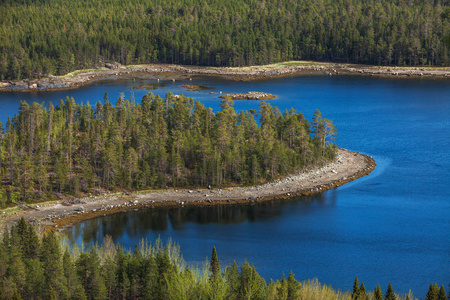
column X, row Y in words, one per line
column 73, row 148
column 43, row 37
column 42, row 267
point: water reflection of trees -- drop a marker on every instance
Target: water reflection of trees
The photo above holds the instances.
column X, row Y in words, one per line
column 139, row 223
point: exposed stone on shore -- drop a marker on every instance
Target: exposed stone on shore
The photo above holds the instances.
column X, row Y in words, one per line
column 113, row 71
column 250, row 96
column 347, row 167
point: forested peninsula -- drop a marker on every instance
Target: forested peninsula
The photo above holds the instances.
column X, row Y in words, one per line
column 42, row 38
column 77, row 149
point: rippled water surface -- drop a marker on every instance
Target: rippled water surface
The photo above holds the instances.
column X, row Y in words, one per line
column 392, row 225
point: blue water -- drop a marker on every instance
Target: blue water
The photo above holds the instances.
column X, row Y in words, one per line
column 391, row 226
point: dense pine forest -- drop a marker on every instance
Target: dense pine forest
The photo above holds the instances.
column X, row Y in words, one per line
column 42, row 37
column 42, row 267
column 73, row 148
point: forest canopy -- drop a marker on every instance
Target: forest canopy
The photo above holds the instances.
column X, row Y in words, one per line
column 50, row 37
column 73, row 148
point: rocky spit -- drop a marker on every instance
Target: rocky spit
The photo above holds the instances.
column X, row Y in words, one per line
column 115, row 71
column 250, row 96
column 346, row 167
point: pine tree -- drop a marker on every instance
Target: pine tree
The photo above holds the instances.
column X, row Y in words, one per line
column 232, row 277
column 355, row 290
column 214, row 267
column 433, row 292
column 442, row 295
column 319, row 131
column 282, row 290
column 377, row 294
column 74, row 286
column 252, row 286
column 1, row 152
column 390, row 293
column 165, row 268
column 55, row 280
column 25, row 175
column 293, row 287
column 362, row 292
column 96, row 285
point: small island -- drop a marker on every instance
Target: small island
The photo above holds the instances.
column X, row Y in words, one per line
column 195, row 87
column 250, row 96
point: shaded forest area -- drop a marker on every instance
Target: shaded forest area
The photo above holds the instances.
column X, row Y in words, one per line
column 50, row 37
column 43, row 267
column 74, row 148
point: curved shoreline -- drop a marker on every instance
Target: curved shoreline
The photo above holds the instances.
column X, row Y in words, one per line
column 80, row 78
column 347, row 167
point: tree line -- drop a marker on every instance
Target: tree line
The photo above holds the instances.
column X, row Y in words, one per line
column 43, row 37
column 43, row 267
column 75, row 148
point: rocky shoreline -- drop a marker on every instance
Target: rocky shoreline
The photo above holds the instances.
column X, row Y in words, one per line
column 250, row 96
column 176, row 72
column 347, row 167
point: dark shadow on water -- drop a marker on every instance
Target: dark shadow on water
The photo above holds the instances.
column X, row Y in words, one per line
column 138, row 224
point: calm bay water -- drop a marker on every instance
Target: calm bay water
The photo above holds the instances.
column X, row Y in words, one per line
column 391, row 226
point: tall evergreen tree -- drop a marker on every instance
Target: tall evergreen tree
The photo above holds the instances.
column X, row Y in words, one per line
column 433, row 292
column 283, row 288
column 442, row 295
column 355, row 290
column 55, row 281
column 293, row 287
column 214, row 266
column 390, row 293
column 377, row 294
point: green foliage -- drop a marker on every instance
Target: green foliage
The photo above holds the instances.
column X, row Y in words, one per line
column 355, row 291
column 109, row 272
column 377, row 294
column 442, row 295
column 156, row 271
column 293, row 287
column 60, row 37
column 436, row 293
column 214, row 266
column 390, row 293
column 74, row 148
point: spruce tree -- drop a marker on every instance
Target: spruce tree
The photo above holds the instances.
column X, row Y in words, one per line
column 55, row 281
column 442, row 295
column 282, row 290
column 362, row 292
column 355, row 291
column 377, row 294
column 433, row 291
column 390, row 293
column 232, row 277
column 293, row 287
column 214, row 264
column 74, row 286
